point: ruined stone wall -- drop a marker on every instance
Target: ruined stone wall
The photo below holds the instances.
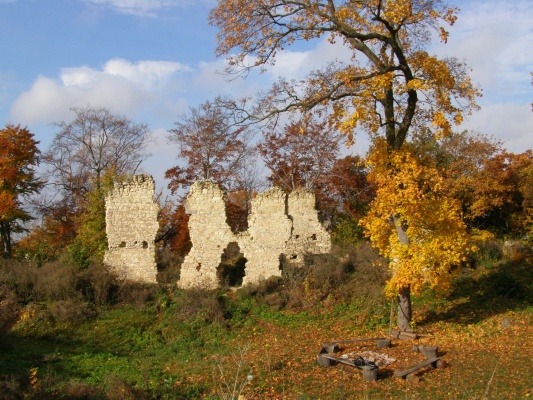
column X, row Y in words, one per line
column 279, row 225
column 308, row 235
column 269, row 229
column 131, row 227
column 209, row 232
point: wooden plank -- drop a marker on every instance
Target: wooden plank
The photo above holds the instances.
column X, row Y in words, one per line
column 341, row 360
column 403, row 374
column 352, row 341
column 407, row 336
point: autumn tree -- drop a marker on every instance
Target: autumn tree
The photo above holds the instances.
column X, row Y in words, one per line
column 391, row 87
column 83, row 155
column 299, row 154
column 210, row 145
column 413, row 223
column 19, row 156
column 348, row 193
column 482, row 175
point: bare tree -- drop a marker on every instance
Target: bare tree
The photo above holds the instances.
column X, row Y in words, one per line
column 211, row 145
column 300, row 154
column 95, row 142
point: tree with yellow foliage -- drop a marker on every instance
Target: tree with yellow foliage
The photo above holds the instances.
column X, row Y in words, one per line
column 391, row 87
column 414, row 224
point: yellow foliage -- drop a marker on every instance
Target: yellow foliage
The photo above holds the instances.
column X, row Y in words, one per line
column 410, row 200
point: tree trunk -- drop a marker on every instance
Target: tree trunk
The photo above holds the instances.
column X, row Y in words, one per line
column 5, row 233
column 404, row 308
column 404, row 296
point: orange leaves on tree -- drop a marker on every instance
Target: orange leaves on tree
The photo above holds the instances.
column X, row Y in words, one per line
column 18, row 156
column 301, row 154
column 211, row 146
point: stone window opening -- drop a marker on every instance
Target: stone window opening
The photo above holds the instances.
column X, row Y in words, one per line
column 122, row 244
column 145, row 244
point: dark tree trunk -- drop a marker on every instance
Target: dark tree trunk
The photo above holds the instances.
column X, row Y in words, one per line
column 404, row 308
column 5, row 233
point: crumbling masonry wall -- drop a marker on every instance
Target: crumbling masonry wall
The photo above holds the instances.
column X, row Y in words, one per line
column 209, row 233
column 131, row 227
column 280, row 225
column 269, row 229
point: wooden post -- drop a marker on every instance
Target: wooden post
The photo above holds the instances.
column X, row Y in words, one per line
column 383, row 343
column 370, row 373
column 407, row 336
column 430, row 351
column 324, row 361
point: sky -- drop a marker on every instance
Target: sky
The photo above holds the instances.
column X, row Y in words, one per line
column 151, row 60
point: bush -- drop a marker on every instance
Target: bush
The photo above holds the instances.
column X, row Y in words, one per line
column 200, row 304
column 55, row 281
column 168, row 266
column 138, row 294
column 18, row 277
column 98, row 284
column 71, row 311
column 347, row 274
column 9, row 309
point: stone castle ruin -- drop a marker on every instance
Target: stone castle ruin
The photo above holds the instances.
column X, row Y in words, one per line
column 131, row 227
column 280, row 226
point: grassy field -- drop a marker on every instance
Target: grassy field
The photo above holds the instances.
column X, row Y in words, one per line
column 156, row 342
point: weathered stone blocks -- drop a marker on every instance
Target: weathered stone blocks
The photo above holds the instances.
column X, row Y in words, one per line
column 209, row 233
column 131, row 227
column 280, row 225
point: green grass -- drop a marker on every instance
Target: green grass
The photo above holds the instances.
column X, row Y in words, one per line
column 174, row 344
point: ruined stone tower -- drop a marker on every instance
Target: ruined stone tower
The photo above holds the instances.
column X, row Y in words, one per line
column 131, row 227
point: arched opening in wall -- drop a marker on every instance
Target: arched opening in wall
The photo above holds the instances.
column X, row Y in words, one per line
column 232, row 266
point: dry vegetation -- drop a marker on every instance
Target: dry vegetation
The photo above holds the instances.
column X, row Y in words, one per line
column 71, row 333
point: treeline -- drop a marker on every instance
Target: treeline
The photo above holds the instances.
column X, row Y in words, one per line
column 493, row 187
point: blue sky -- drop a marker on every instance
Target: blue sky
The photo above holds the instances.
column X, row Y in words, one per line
column 152, row 59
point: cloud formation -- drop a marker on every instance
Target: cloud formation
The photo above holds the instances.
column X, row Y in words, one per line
column 144, row 8
column 121, row 85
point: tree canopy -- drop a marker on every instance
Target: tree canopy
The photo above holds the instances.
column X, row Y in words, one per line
column 93, row 143
column 19, row 156
column 210, row 144
column 392, row 86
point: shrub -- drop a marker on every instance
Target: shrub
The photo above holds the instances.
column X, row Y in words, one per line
column 9, row 309
column 138, row 294
column 18, row 277
column 168, row 266
column 72, row 311
column 200, row 304
column 98, row 284
column 55, row 281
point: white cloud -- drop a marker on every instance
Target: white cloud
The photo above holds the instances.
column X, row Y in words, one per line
column 494, row 38
column 511, row 123
column 122, row 86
